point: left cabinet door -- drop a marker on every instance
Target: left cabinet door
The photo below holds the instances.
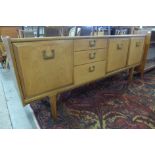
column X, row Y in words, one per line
column 117, row 53
column 44, row 65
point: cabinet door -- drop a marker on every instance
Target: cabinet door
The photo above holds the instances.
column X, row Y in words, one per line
column 117, row 53
column 136, row 51
column 44, row 65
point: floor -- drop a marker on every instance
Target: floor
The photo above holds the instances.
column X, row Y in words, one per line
column 151, row 53
column 150, row 59
column 12, row 113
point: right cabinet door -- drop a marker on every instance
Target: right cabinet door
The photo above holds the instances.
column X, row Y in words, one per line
column 136, row 51
column 117, row 53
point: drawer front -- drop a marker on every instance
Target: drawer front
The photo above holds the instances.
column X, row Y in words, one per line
column 89, row 72
column 86, row 44
column 136, row 51
column 84, row 57
column 44, row 66
column 117, row 53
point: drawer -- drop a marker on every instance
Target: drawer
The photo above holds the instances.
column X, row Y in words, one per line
column 136, row 51
column 86, row 44
column 89, row 72
column 117, row 53
column 44, row 65
column 89, row 56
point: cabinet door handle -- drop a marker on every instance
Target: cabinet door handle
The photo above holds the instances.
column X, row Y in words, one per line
column 91, row 68
column 137, row 44
column 92, row 55
column 92, row 43
column 119, row 46
column 48, row 54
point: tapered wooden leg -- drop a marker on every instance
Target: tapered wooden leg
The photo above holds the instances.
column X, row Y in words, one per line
column 53, row 103
column 131, row 70
column 142, row 74
column 7, row 63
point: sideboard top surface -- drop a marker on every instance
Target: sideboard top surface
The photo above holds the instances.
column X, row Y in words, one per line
column 14, row 40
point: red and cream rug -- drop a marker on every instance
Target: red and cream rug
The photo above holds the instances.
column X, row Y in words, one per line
column 108, row 103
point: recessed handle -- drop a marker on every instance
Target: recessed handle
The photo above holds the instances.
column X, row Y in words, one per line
column 137, row 44
column 91, row 68
column 119, row 46
column 92, row 55
column 92, row 43
column 48, row 54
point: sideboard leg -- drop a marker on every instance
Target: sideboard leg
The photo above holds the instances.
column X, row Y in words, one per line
column 131, row 70
column 142, row 74
column 53, row 103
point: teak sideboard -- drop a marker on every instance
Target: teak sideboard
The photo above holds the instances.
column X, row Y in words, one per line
column 48, row 66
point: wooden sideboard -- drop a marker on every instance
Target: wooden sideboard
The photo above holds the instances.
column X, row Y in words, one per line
column 2, row 55
column 11, row 31
column 48, row 66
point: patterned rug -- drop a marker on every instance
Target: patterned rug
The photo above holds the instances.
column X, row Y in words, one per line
column 108, row 103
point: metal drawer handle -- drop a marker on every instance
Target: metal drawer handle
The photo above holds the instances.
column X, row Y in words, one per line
column 137, row 44
column 92, row 43
column 119, row 46
column 48, row 54
column 91, row 68
column 92, row 55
